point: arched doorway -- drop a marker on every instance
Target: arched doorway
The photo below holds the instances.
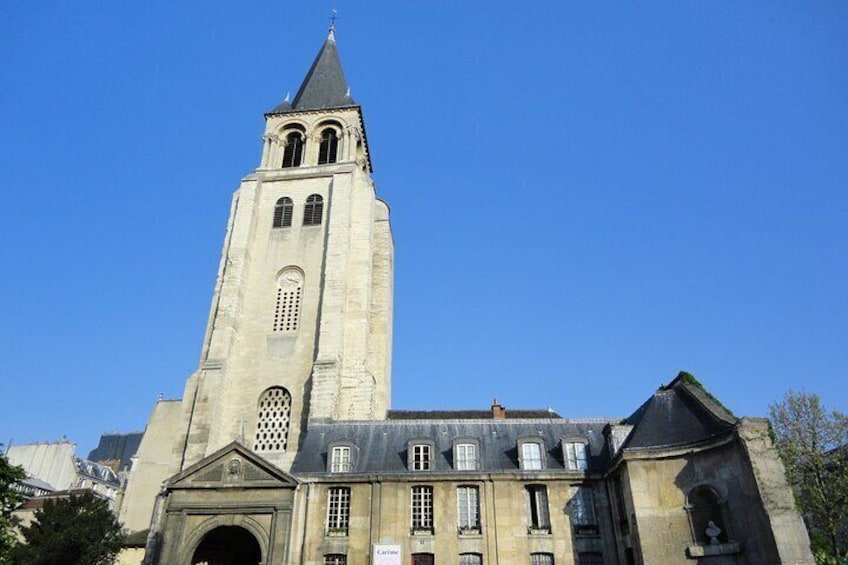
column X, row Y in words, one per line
column 227, row 545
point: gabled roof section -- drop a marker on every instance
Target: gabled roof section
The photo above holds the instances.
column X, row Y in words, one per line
column 231, row 466
column 678, row 414
column 324, row 86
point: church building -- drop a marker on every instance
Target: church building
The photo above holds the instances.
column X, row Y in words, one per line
column 284, row 449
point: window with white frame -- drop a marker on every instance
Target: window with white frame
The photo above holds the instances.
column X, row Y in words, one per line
column 422, row 509
column 531, row 455
column 466, row 456
column 340, row 459
column 541, row 559
column 582, row 507
column 335, row 559
column 468, row 509
column 421, row 456
column 470, row 559
column 575, row 456
column 338, row 511
column 538, row 516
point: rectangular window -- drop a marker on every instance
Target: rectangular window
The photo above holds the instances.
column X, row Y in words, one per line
column 531, row 456
column 421, row 457
column 575, row 456
column 537, row 500
column 340, row 460
column 470, row 559
column 541, row 559
column 335, row 559
column 468, row 509
column 338, row 511
column 590, row 558
column 422, row 508
column 583, row 510
column 466, row 457
column 422, row 559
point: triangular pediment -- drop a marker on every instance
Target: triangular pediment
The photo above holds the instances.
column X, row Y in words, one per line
column 232, row 466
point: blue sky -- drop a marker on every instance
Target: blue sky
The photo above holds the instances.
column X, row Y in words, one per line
column 586, row 197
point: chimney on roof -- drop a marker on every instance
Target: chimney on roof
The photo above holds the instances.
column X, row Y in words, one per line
column 498, row 411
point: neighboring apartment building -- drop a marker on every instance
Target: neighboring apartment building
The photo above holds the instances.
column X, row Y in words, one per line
column 283, row 448
column 53, row 467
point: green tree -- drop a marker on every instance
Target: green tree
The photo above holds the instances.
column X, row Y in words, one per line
column 813, row 444
column 9, row 500
column 70, row 531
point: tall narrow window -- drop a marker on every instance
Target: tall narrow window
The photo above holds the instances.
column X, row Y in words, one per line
column 328, row 149
column 289, row 294
column 338, row 511
column 422, row 509
column 582, row 507
column 293, row 153
column 272, row 422
column 283, row 212
column 537, row 500
column 531, row 456
column 313, row 211
column 575, row 456
column 340, row 459
column 422, row 559
column 470, row 559
column 468, row 509
column 541, row 559
column 335, row 559
column 466, row 457
column 421, row 457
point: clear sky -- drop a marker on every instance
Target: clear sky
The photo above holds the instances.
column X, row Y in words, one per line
column 586, row 197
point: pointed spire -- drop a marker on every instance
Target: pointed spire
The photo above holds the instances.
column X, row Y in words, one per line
column 325, row 85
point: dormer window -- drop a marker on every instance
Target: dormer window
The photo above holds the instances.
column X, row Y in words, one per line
column 293, row 154
column 328, row 150
column 313, row 211
column 531, row 454
column 340, row 459
column 574, row 453
column 465, row 455
column 421, row 456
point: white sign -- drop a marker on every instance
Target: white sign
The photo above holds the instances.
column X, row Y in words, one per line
column 385, row 555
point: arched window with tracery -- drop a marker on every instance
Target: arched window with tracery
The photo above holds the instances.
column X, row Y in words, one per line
column 707, row 515
column 313, row 211
column 328, row 150
column 293, row 154
column 289, row 297
column 283, row 212
column 273, row 419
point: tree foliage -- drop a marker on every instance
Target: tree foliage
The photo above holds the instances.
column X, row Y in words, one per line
column 9, row 500
column 68, row 531
column 813, row 444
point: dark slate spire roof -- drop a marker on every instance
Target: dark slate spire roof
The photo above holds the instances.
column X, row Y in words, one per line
column 680, row 413
column 324, row 86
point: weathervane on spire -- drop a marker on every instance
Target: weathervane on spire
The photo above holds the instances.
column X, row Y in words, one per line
column 333, row 21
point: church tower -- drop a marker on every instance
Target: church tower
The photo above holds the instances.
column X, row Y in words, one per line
column 300, row 324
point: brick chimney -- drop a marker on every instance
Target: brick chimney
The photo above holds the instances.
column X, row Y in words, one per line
column 498, row 411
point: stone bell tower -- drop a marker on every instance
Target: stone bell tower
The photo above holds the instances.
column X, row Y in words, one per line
column 300, row 327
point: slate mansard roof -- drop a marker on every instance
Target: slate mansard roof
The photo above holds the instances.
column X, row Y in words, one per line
column 680, row 414
column 381, row 447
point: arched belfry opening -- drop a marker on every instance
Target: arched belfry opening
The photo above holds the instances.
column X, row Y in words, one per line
column 227, row 545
